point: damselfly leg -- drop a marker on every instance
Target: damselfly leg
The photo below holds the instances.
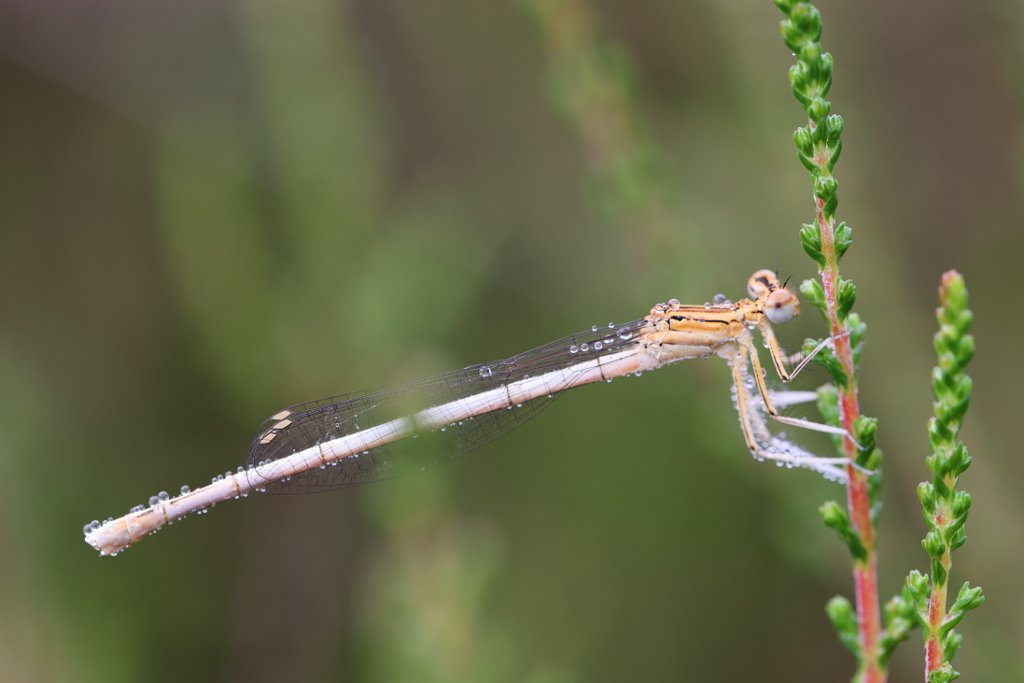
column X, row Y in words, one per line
column 759, row 439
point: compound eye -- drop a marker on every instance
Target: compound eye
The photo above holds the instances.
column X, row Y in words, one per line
column 781, row 306
column 761, row 282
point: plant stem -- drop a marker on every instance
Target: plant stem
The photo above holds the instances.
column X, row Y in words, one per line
column 934, row 655
column 858, row 500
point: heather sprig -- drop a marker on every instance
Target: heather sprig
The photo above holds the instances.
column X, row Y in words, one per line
column 945, row 508
column 819, row 145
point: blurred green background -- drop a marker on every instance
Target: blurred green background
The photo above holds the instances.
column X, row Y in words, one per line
column 210, row 210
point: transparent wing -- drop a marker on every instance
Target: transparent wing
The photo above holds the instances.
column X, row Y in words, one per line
column 309, row 424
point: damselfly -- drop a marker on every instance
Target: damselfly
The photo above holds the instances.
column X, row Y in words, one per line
column 376, row 434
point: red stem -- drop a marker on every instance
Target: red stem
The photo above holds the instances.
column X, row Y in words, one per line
column 858, row 503
column 933, row 655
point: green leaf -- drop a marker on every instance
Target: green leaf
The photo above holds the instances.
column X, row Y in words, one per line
column 961, row 503
column 917, row 586
column 802, row 140
column 937, row 461
column 964, row 460
column 833, row 157
column 825, row 66
column 808, row 20
column 958, row 540
column 933, row 544
column 825, row 187
column 817, row 111
column 840, row 613
column 845, row 298
column 834, row 367
column 857, row 331
column 864, row 430
column 949, row 622
column 843, row 237
column 828, row 406
column 968, row 598
column 900, row 618
column 950, row 645
column 814, row 293
column 876, row 506
column 954, row 531
column 810, row 53
column 939, row 573
column 829, row 209
column 955, row 459
column 810, row 240
column 834, row 123
column 944, row 674
column 836, row 517
column 926, row 494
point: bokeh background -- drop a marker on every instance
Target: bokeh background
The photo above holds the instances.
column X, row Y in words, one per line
column 210, row 210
